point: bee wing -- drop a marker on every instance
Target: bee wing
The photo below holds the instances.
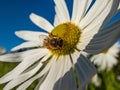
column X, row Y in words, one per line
column 42, row 39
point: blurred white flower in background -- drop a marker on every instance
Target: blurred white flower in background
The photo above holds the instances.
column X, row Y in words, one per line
column 2, row 50
column 107, row 59
column 96, row 80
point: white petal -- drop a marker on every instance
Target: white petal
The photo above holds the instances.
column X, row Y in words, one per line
column 21, row 78
column 56, row 20
column 31, row 35
column 25, row 85
column 60, row 73
column 50, row 79
column 64, row 5
column 94, row 12
column 60, row 78
column 81, row 6
column 66, row 79
column 40, row 82
column 88, row 5
column 105, row 32
column 93, row 28
column 113, row 11
column 41, row 22
column 27, row 45
column 74, row 11
column 10, row 58
column 108, row 12
column 17, row 56
column 86, row 38
column 62, row 11
column 28, row 61
column 84, row 68
column 59, row 15
column 104, row 39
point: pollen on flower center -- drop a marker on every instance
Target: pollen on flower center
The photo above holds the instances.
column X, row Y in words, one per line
column 63, row 39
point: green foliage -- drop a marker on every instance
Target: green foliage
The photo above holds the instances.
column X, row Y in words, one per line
column 5, row 68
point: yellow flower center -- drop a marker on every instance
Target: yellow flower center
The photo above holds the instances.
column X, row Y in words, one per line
column 63, row 39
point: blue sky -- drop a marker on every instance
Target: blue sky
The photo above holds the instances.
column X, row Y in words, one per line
column 14, row 16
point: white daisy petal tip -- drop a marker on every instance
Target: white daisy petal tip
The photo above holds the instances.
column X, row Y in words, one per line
column 32, row 15
column 14, row 49
column 19, row 33
column 8, row 58
column 41, row 22
column 32, row 36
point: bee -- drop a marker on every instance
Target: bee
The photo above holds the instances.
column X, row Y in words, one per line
column 52, row 42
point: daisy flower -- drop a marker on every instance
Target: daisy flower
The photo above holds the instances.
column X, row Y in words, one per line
column 107, row 59
column 55, row 57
